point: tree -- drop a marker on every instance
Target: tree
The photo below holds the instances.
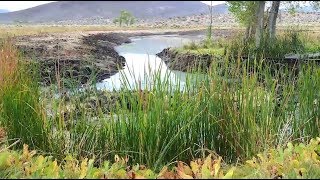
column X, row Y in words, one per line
column 210, row 26
column 125, row 17
column 245, row 14
column 117, row 20
column 273, row 14
column 251, row 14
column 259, row 22
column 132, row 20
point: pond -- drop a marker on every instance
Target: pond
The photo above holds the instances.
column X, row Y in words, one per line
column 142, row 63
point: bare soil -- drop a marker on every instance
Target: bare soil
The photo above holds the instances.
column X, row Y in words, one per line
column 76, row 57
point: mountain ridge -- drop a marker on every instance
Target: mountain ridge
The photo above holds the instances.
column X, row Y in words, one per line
column 77, row 10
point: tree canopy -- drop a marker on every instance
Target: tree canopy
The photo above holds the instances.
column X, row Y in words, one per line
column 124, row 18
column 258, row 21
column 253, row 16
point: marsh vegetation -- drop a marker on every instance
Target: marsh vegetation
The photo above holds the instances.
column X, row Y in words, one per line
column 243, row 100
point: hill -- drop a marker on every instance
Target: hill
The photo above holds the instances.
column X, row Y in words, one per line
column 77, row 10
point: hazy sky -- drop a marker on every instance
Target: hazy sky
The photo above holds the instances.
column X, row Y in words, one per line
column 19, row 5
column 213, row 2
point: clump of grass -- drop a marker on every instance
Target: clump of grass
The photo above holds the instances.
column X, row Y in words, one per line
column 201, row 51
column 9, row 64
column 290, row 41
column 190, row 46
column 204, row 47
column 20, row 111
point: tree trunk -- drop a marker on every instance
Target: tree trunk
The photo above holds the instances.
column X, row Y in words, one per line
column 211, row 15
column 250, row 30
column 273, row 19
column 210, row 26
column 259, row 24
column 247, row 35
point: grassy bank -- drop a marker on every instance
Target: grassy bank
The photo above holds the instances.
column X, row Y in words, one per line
column 236, row 111
column 288, row 41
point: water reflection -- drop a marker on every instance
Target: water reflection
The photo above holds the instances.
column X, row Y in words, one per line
column 142, row 64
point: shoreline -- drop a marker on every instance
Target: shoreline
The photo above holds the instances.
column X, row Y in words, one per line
column 72, row 53
column 81, row 56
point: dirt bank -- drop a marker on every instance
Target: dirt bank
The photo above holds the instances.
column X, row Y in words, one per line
column 185, row 61
column 74, row 57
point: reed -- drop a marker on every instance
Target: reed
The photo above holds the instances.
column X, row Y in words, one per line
column 21, row 113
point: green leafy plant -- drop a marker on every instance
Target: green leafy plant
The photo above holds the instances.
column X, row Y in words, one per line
column 295, row 161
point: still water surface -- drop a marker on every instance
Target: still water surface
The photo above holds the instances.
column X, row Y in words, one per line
column 142, row 62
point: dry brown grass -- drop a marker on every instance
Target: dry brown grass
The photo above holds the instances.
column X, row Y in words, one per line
column 14, row 30
column 2, row 134
column 8, row 63
column 8, row 69
column 20, row 30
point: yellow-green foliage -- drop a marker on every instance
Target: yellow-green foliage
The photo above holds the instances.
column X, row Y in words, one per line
column 201, row 51
column 295, row 161
column 206, row 47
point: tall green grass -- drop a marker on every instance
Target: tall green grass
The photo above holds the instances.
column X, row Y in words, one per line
column 236, row 110
column 21, row 113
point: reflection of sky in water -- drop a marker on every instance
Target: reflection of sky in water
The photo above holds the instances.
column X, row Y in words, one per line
column 142, row 63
